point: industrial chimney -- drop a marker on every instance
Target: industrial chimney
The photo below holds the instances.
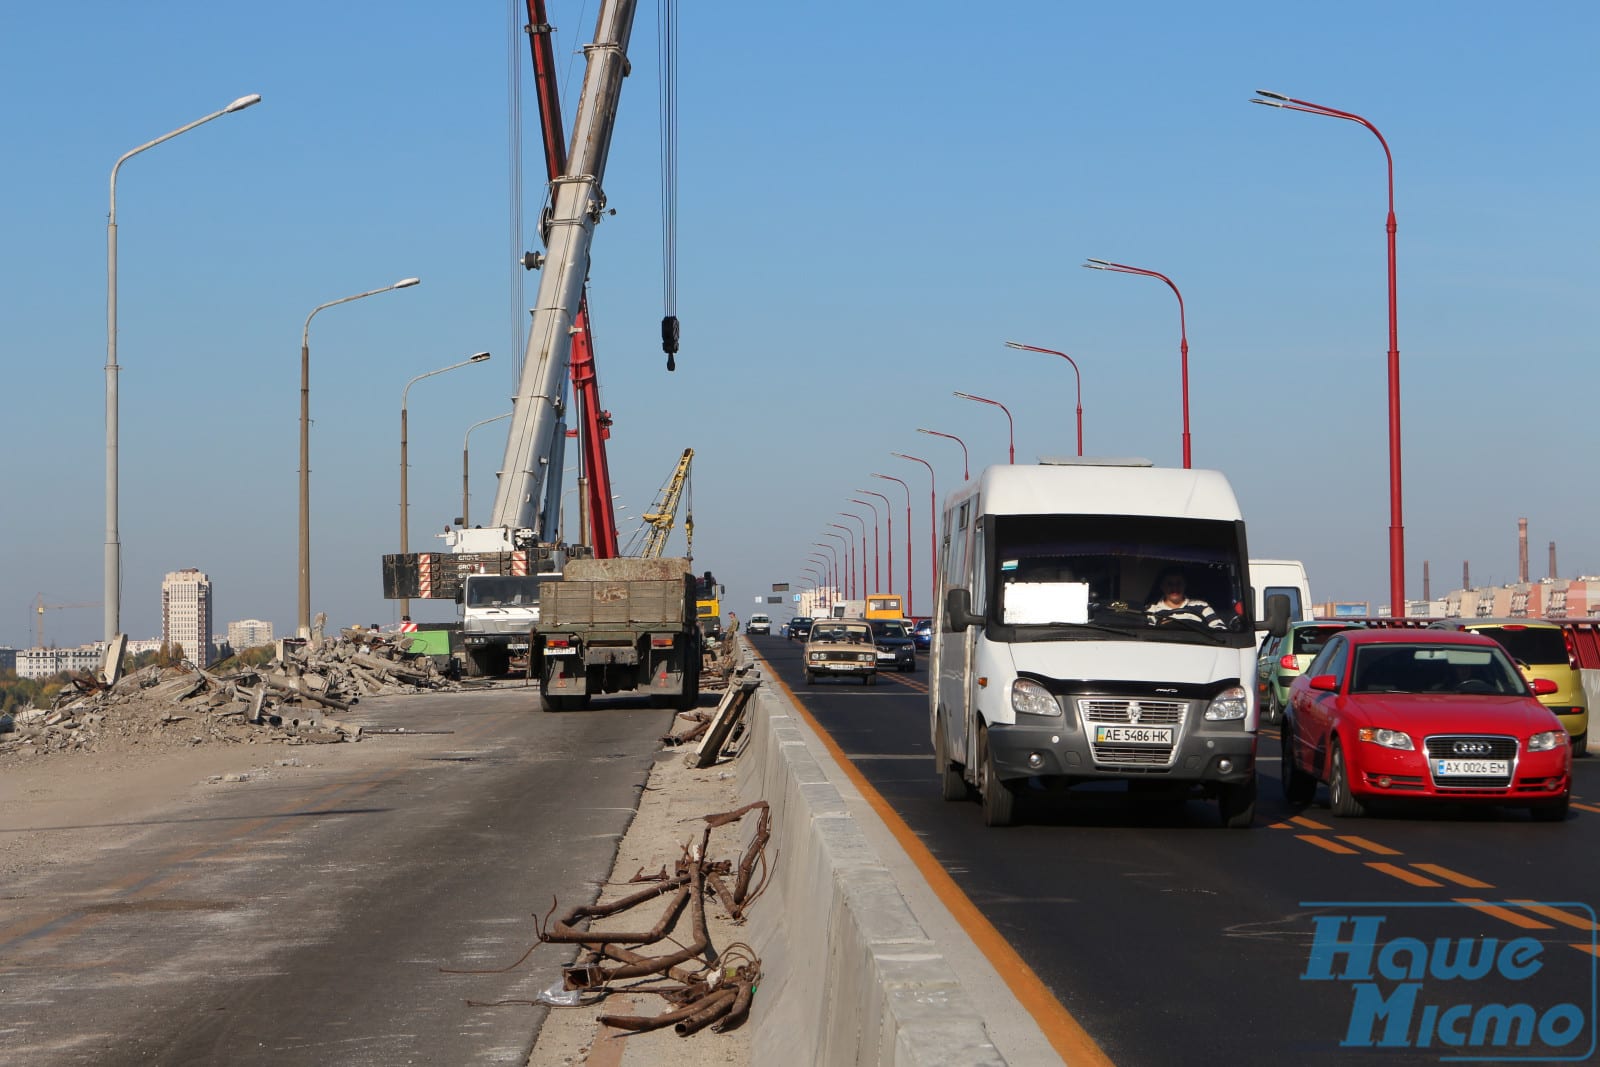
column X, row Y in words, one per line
column 1522, row 551
column 1427, row 595
column 1552, row 561
column 1466, row 575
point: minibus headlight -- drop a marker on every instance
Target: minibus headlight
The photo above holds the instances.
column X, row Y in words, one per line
column 1228, row 704
column 1030, row 698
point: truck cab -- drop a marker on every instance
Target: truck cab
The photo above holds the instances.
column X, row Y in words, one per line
column 499, row 613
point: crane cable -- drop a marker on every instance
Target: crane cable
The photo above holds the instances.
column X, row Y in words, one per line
column 667, row 46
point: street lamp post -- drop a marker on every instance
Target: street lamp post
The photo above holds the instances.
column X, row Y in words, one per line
column 863, row 522
column 844, row 558
column 833, row 556
column 1076, row 375
column 907, row 488
column 405, row 546
column 466, row 470
column 888, row 521
column 304, row 620
column 1011, row 429
column 877, row 548
column 933, row 531
column 1397, row 530
column 966, row 475
column 113, row 546
column 1183, row 332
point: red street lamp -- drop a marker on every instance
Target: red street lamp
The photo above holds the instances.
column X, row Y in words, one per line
column 877, row 549
column 1183, row 332
column 849, row 575
column 888, row 521
column 844, row 559
column 1075, row 373
column 863, row 522
column 907, row 488
column 833, row 554
column 1011, row 428
column 966, row 475
column 933, row 530
column 1397, row 530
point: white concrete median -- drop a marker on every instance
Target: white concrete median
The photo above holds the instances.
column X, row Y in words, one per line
column 850, row 976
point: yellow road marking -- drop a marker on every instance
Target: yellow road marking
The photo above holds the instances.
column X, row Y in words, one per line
column 1496, row 911
column 1583, row 807
column 1332, row 846
column 1371, row 846
column 1405, row 875
column 1452, row 876
column 1065, row 1034
column 1309, row 824
column 1591, row 949
column 1558, row 915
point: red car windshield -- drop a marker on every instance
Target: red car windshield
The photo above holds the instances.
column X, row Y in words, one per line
column 1388, row 668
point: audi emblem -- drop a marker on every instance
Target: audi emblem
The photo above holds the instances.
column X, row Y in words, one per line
column 1471, row 748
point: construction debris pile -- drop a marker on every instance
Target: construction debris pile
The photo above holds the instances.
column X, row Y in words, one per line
column 286, row 700
column 703, row 985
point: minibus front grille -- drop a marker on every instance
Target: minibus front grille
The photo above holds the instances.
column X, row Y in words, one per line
column 1101, row 711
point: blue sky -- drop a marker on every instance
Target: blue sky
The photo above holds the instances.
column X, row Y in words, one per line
column 873, row 198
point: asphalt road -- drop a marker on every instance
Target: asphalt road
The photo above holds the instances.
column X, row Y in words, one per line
column 309, row 917
column 1172, row 940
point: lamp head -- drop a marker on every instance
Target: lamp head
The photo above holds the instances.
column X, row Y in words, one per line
column 1270, row 95
column 478, row 358
column 1017, row 344
column 967, row 396
column 242, row 103
column 405, row 283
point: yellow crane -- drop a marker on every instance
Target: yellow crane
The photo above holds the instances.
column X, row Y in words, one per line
column 660, row 519
column 38, row 622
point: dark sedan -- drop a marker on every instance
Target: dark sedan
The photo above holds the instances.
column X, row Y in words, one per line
column 799, row 628
column 922, row 634
column 896, row 647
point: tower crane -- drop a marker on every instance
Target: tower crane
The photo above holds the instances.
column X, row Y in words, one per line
column 660, row 518
column 38, row 621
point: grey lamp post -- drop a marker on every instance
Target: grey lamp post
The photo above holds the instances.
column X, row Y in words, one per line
column 303, row 626
column 113, row 546
column 466, row 470
column 405, row 545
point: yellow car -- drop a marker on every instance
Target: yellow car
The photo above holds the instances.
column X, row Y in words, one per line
column 1541, row 650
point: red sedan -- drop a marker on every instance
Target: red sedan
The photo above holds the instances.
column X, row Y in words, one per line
column 1406, row 714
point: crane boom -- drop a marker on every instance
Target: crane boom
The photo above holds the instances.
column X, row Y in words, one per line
column 532, row 467
column 661, row 517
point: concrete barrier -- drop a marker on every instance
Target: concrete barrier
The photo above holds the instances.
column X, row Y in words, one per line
column 849, row 975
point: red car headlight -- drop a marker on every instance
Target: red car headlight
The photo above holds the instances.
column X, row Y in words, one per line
column 1387, row 738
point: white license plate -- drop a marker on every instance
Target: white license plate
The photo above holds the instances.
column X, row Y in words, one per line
column 1133, row 735
column 1471, row 768
column 561, row 652
column 523, row 647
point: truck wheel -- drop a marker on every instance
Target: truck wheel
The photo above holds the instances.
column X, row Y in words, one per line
column 999, row 802
column 811, row 678
column 1340, row 802
column 1237, row 803
column 952, row 786
column 870, row 679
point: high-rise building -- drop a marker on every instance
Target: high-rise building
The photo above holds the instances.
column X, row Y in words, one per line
column 248, row 633
column 186, row 614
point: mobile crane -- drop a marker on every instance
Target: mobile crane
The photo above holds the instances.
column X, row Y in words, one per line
column 522, row 540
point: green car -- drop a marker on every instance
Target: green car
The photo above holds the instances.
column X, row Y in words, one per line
column 1281, row 660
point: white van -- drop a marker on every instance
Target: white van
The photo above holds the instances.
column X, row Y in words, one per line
column 1045, row 662
column 1285, row 576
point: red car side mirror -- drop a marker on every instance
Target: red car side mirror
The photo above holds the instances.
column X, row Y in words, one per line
column 1543, row 687
column 1328, row 683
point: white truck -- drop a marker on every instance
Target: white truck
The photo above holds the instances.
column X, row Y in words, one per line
column 1045, row 666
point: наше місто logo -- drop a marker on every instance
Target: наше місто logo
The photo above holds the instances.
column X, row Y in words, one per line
column 1484, row 981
